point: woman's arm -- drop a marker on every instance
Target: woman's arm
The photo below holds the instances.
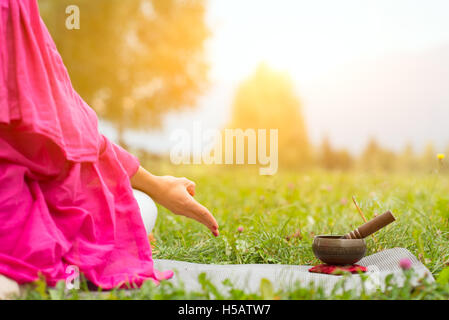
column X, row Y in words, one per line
column 175, row 194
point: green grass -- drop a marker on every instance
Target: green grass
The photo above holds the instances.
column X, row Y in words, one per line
column 315, row 202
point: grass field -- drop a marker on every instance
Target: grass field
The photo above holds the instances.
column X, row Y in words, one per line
column 281, row 214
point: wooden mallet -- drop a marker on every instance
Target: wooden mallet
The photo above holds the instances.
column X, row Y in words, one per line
column 371, row 226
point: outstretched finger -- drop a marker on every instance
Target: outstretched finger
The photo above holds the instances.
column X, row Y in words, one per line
column 201, row 214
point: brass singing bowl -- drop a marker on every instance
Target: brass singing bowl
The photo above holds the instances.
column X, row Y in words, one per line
column 335, row 250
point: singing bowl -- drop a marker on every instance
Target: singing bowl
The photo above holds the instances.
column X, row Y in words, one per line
column 335, row 250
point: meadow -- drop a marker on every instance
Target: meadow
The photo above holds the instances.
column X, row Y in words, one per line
column 273, row 219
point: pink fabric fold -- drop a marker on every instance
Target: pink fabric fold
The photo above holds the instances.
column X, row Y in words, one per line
column 65, row 193
column 35, row 87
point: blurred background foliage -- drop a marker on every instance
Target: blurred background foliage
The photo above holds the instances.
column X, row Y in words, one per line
column 135, row 61
column 267, row 100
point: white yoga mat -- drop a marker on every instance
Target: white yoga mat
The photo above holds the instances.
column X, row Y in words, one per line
column 247, row 277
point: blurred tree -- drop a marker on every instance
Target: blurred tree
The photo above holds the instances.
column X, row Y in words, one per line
column 369, row 157
column 388, row 160
column 326, row 154
column 133, row 60
column 407, row 159
column 334, row 159
column 267, row 100
column 445, row 161
column 344, row 160
column 429, row 161
column 374, row 157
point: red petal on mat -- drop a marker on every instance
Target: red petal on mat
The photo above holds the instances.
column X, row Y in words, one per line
column 337, row 270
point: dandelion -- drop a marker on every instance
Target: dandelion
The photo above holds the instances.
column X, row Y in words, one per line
column 405, row 264
column 240, row 229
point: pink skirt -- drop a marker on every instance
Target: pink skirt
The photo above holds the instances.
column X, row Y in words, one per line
column 65, row 193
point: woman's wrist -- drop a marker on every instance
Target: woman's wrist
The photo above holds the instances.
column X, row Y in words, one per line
column 147, row 182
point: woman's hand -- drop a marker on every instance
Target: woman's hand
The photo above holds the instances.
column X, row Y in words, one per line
column 175, row 194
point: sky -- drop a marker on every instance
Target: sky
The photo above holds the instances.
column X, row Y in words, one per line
column 310, row 40
column 307, row 38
